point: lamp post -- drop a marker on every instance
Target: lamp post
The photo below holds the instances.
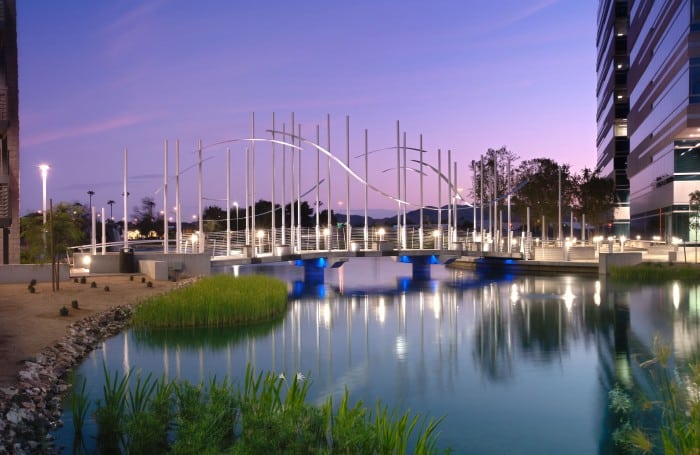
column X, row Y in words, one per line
column 90, row 194
column 110, row 203
column 235, row 204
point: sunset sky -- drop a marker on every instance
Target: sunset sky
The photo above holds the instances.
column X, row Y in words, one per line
column 97, row 77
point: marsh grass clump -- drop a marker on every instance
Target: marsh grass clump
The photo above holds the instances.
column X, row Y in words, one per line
column 93, row 285
column 74, row 304
column 75, row 280
column 215, row 301
column 63, row 311
column 267, row 414
column 32, row 282
column 670, row 414
column 149, row 284
column 83, row 280
column 31, row 289
column 143, row 279
column 106, row 288
column 131, row 277
column 656, row 272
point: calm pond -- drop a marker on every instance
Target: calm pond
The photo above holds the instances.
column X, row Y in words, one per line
column 516, row 364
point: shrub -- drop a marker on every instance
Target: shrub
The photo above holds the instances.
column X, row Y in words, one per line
column 93, row 285
column 106, row 288
column 32, row 282
column 75, row 280
column 63, row 311
column 31, row 289
column 74, row 304
column 149, row 284
column 131, row 277
column 143, row 279
column 83, row 280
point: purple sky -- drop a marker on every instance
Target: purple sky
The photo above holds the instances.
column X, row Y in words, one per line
column 98, row 77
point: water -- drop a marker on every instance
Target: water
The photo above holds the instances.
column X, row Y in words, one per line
column 517, row 364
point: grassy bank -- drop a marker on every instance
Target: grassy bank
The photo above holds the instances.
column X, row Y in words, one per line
column 655, row 272
column 215, row 301
column 268, row 414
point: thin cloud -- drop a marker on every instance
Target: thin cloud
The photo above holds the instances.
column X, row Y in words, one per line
column 84, row 130
column 133, row 17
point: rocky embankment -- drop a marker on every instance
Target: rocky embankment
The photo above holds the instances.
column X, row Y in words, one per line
column 32, row 407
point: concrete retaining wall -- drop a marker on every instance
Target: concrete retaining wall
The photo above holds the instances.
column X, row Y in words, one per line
column 607, row 260
column 24, row 273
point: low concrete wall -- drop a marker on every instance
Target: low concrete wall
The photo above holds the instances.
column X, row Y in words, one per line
column 108, row 263
column 24, row 273
column 607, row 260
column 155, row 270
column 181, row 264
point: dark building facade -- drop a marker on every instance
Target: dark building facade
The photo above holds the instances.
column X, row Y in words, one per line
column 9, row 135
column 662, row 89
column 612, row 141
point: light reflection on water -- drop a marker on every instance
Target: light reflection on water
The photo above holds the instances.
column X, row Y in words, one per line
column 516, row 364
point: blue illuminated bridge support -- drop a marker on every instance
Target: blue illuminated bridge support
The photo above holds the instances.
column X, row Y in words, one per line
column 314, row 269
column 420, row 265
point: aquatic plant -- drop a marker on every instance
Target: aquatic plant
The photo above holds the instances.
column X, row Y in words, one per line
column 215, row 302
column 675, row 401
column 655, row 272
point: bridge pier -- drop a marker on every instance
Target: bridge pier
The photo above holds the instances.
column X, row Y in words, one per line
column 420, row 265
column 314, row 269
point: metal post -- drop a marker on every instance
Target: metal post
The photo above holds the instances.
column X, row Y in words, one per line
column 93, row 232
column 228, row 201
column 583, row 229
column 474, row 206
column 104, row 232
column 439, row 204
column 481, row 202
column 508, row 198
column 348, row 227
column 398, row 185
column 571, row 225
column 366, row 191
column 328, row 174
column 453, row 198
column 126, row 216
column 496, row 233
column 199, row 194
column 559, row 233
column 318, row 189
column 252, row 182
column 299, row 191
column 292, row 232
column 178, row 224
column 273, row 225
column 165, row 200
column 420, row 174
column 405, row 195
column 284, row 185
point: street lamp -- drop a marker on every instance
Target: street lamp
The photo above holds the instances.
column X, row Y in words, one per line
column 91, row 194
column 235, row 204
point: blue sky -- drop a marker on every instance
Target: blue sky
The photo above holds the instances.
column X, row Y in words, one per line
column 98, row 77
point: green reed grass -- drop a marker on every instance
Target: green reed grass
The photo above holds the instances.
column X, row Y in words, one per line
column 268, row 414
column 656, row 272
column 215, row 301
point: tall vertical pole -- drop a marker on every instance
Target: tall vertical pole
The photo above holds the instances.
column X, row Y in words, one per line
column 559, row 233
column 496, row 233
column 292, row 232
column 348, row 227
column 449, row 199
column 165, row 199
column 178, row 219
column 328, row 173
column 571, row 225
column 252, row 181
column 366, row 190
column 126, row 215
column 199, row 194
column 398, row 186
column 508, row 198
column 273, row 225
column 474, row 206
column 299, row 190
column 284, row 184
column 439, row 204
column 583, row 229
column 453, row 198
column 405, row 196
column 247, row 196
column 318, row 189
column 93, row 231
column 481, row 201
column 228, row 201
column 420, row 227
column 104, row 232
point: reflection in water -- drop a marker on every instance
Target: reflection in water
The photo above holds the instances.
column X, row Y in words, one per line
column 533, row 355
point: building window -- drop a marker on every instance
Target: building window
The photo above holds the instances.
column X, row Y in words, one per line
column 694, row 89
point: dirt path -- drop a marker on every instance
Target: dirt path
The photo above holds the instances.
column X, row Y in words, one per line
column 30, row 322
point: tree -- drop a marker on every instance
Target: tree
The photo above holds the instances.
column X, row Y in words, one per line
column 68, row 230
column 594, row 197
column 539, row 178
column 498, row 159
column 144, row 220
column 214, row 219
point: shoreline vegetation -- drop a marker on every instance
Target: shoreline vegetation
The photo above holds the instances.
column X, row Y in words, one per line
column 216, row 301
column 656, row 272
column 269, row 413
